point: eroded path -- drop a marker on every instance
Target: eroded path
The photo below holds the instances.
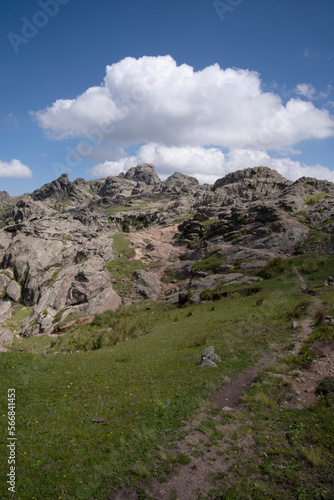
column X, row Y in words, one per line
column 191, row 480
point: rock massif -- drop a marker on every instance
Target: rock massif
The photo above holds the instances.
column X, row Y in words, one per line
column 59, row 253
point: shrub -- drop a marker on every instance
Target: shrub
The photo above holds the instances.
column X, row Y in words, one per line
column 122, row 244
column 309, row 267
column 210, row 295
column 208, row 264
column 323, row 332
column 299, row 310
column 273, row 268
column 312, row 199
column 319, row 315
column 169, row 276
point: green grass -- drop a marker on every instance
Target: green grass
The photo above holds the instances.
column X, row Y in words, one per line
column 19, row 315
column 208, row 264
column 121, row 208
column 314, row 241
column 122, row 245
column 312, row 199
column 137, row 368
column 71, row 317
column 291, row 455
column 169, row 276
column 124, row 265
column 144, row 388
column 274, row 268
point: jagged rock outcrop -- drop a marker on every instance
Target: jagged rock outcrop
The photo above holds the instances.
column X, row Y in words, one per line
column 293, row 197
column 4, row 198
column 177, row 182
column 59, row 189
column 56, row 242
column 250, row 184
column 144, row 173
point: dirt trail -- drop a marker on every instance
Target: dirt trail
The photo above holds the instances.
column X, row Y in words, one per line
column 187, row 483
column 191, row 480
column 305, row 381
column 306, row 324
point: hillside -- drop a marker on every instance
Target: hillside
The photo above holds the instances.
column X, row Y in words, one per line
column 111, row 289
column 86, row 247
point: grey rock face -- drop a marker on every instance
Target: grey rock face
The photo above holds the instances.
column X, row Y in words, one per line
column 251, row 183
column 4, row 280
column 60, row 188
column 176, row 183
column 143, row 173
column 14, row 291
column 9, row 273
column 58, row 240
column 4, row 198
column 148, row 283
column 6, row 337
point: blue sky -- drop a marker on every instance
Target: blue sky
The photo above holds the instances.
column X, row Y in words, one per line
column 202, row 87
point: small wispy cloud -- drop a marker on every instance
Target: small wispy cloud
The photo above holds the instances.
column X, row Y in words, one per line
column 11, row 121
column 325, row 93
column 308, row 91
column 310, row 53
column 305, row 90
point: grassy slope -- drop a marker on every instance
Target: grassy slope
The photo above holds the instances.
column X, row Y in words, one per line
column 292, row 453
column 144, row 389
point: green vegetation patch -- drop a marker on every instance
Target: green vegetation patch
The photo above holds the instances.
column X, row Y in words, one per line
column 124, row 265
column 208, row 264
column 143, row 389
column 169, row 276
column 122, row 245
column 274, row 268
column 312, row 199
column 121, row 208
column 54, row 276
column 314, row 240
column 19, row 315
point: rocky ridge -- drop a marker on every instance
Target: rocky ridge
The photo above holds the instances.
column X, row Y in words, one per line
column 59, row 255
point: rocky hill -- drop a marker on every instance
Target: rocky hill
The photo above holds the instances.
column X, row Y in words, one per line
column 84, row 247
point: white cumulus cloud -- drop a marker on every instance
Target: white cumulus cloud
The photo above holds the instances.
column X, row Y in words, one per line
column 153, row 100
column 15, row 168
column 209, row 164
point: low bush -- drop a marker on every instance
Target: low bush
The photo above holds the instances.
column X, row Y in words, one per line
column 273, row 268
column 208, row 264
